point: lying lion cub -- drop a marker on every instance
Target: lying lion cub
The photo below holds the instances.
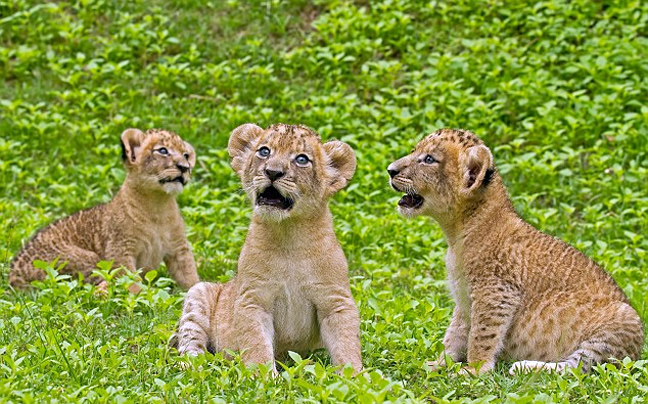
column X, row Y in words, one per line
column 292, row 288
column 520, row 294
column 138, row 229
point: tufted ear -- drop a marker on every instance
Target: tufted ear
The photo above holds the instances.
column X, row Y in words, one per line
column 477, row 168
column 342, row 161
column 240, row 142
column 131, row 142
column 192, row 154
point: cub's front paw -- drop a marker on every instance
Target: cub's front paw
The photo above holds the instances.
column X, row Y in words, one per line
column 134, row 289
column 437, row 365
column 101, row 290
column 476, row 370
column 468, row 371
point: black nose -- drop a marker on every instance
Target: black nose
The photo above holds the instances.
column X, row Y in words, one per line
column 273, row 175
column 183, row 167
column 393, row 173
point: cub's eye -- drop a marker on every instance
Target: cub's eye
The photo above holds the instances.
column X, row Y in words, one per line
column 429, row 159
column 186, row 156
column 263, row 152
column 302, row 159
column 163, row 151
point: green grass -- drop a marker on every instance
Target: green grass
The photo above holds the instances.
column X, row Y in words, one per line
column 556, row 89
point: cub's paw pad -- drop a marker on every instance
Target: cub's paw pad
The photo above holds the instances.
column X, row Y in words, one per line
column 536, row 366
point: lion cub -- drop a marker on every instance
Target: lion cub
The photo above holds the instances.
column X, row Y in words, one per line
column 520, row 294
column 139, row 228
column 292, row 288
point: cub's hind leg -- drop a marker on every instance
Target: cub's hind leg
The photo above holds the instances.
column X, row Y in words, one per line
column 23, row 272
column 80, row 260
column 617, row 333
column 195, row 330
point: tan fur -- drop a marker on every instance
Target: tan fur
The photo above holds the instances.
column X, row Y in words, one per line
column 520, row 294
column 292, row 288
column 138, row 229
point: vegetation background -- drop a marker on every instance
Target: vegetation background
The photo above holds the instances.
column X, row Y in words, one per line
column 558, row 89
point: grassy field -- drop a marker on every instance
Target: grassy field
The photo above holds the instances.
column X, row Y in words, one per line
column 557, row 89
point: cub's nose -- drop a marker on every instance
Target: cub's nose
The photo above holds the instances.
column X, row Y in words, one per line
column 273, row 175
column 392, row 170
column 183, row 167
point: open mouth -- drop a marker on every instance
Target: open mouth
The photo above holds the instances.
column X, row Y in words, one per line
column 411, row 201
column 272, row 197
column 179, row 179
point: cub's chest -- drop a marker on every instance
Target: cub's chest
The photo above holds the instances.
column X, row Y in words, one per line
column 458, row 282
column 153, row 244
column 292, row 303
column 293, row 312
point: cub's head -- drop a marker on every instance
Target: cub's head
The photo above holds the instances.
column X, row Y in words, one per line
column 157, row 160
column 447, row 171
column 286, row 170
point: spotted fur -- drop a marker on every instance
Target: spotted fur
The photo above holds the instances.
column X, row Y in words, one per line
column 520, row 294
column 138, row 229
column 291, row 292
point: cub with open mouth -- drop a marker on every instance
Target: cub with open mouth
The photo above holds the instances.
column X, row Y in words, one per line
column 280, row 178
column 138, row 229
column 291, row 292
column 520, row 295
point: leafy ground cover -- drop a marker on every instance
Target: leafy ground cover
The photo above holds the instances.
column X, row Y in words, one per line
column 557, row 89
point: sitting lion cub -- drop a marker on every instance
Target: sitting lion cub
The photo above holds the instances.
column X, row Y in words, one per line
column 292, row 288
column 139, row 228
column 520, row 294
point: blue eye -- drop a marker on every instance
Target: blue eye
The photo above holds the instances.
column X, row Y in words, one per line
column 263, row 152
column 302, row 159
column 429, row 159
column 163, row 151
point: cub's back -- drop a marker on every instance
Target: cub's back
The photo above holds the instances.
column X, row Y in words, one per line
column 557, row 264
column 538, row 262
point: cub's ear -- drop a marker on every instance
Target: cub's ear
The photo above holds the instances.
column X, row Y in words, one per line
column 240, row 142
column 192, row 154
column 342, row 164
column 131, row 142
column 477, row 168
